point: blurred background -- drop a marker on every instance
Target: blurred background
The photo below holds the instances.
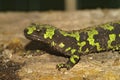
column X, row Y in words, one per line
column 44, row 5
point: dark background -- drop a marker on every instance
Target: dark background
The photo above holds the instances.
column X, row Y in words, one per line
column 43, row 5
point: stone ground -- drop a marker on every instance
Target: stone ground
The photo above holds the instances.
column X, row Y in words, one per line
column 17, row 64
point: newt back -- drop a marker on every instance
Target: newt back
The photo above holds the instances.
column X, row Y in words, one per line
column 75, row 43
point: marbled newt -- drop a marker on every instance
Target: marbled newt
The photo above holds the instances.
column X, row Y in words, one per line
column 75, row 43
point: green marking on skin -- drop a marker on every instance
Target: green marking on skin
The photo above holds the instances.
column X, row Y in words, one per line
column 87, row 50
column 38, row 51
column 53, row 43
column 61, row 45
column 72, row 34
column 49, row 33
column 81, row 44
column 91, row 39
column 117, row 47
column 111, row 39
column 73, row 51
column 67, row 49
column 31, row 29
column 59, row 65
column 108, row 27
column 72, row 58
column 119, row 35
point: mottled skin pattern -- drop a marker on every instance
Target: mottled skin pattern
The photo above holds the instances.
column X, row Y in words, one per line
column 76, row 43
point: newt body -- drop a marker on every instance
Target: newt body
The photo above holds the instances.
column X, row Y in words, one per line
column 77, row 42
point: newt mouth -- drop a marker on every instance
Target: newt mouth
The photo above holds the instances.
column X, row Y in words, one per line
column 32, row 36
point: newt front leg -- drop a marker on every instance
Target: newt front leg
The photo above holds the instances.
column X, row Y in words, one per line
column 74, row 59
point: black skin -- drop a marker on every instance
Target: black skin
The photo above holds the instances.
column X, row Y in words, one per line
column 103, row 37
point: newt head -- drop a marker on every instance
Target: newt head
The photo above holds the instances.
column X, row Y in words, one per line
column 40, row 32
